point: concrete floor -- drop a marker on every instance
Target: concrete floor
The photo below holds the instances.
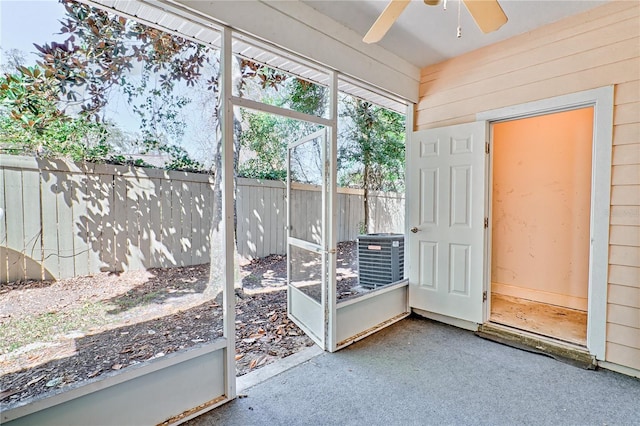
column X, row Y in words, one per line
column 422, row 372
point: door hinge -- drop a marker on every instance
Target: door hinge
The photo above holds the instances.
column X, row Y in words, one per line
column 486, row 147
column 486, row 222
column 484, row 296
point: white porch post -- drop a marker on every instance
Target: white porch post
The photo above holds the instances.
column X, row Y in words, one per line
column 331, row 213
column 228, row 295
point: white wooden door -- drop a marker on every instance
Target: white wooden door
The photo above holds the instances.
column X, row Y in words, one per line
column 446, row 218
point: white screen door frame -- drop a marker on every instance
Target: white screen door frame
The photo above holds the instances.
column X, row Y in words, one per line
column 307, row 235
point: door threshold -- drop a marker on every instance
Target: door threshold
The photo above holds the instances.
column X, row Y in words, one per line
column 560, row 350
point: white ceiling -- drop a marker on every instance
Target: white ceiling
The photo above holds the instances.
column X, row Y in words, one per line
column 425, row 35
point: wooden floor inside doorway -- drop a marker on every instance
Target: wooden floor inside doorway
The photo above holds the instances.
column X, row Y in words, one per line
column 557, row 322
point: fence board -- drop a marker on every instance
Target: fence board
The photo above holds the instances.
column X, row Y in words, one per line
column 258, row 216
column 255, row 217
column 78, row 185
column 206, row 221
column 269, row 221
column 148, row 211
column 155, row 222
column 32, row 222
column 176, row 219
column 15, row 220
column 241, row 225
column 168, row 229
column 196, row 220
column 185, row 222
column 107, row 217
column 120, row 225
column 93, row 220
column 281, row 220
column 50, row 244
column 64, row 212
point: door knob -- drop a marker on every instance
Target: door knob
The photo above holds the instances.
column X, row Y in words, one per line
column 414, row 229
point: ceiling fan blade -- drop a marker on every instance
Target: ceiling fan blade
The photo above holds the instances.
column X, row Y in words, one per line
column 385, row 20
column 488, row 14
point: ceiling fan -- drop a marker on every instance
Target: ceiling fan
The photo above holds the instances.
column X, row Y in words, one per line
column 488, row 15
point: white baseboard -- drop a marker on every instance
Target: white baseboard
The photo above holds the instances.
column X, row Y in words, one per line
column 619, row 368
column 564, row 300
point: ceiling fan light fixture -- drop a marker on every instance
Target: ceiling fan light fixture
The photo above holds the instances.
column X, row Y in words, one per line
column 385, row 20
column 488, row 14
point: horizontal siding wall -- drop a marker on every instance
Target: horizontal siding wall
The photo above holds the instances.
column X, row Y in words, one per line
column 598, row 48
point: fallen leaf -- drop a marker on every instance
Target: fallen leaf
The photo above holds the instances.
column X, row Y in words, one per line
column 94, row 374
column 239, row 356
column 54, row 382
column 7, row 393
column 116, row 366
column 36, row 380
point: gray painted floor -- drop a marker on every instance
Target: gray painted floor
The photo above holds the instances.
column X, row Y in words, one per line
column 422, row 372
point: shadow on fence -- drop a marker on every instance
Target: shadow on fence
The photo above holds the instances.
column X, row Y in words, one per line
column 60, row 219
column 81, row 219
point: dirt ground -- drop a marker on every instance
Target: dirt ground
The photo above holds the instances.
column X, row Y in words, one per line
column 56, row 335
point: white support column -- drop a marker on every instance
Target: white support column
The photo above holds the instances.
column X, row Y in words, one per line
column 409, row 126
column 228, row 295
column 332, row 215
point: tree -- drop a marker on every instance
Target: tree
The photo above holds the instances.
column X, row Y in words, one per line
column 103, row 53
column 371, row 150
column 31, row 121
column 267, row 136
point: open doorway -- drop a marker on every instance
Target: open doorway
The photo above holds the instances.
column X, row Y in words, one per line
column 540, row 216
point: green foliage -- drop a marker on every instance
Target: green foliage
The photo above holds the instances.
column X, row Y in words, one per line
column 30, row 97
column 307, row 97
column 102, row 49
column 75, row 138
column 45, row 109
column 371, row 152
column 266, row 136
column 179, row 159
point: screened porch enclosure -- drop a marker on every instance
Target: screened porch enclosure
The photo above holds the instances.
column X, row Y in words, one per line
column 185, row 384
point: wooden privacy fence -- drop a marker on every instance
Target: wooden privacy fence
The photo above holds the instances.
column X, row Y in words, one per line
column 63, row 219
column 60, row 219
column 262, row 215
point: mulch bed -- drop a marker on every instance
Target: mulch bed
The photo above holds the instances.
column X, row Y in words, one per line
column 87, row 327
